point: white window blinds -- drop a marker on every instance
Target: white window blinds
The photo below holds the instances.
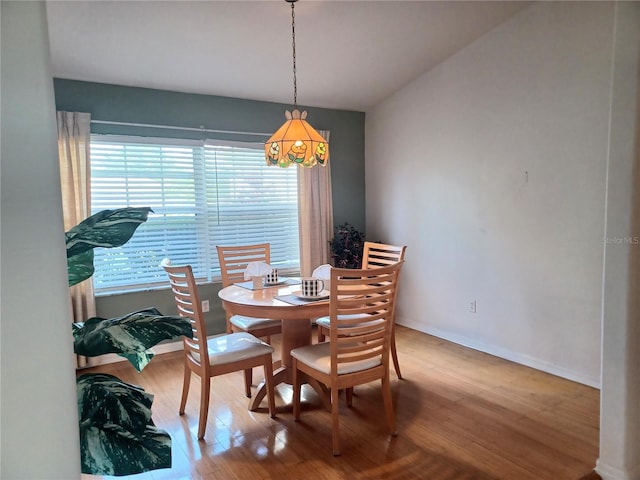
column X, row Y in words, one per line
column 202, row 194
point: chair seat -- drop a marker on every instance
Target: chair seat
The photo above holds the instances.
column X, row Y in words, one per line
column 250, row 323
column 234, row 347
column 318, row 356
column 326, row 321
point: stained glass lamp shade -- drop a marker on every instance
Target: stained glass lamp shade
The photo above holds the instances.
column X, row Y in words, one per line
column 296, row 143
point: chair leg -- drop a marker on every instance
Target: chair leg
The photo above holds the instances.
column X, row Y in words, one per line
column 335, row 426
column 321, row 336
column 248, row 381
column 296, row 390
column 349, row 396
column 388, row 405
column 394, row 354
column 185, row 388
column 268, row 378
column 205, row 389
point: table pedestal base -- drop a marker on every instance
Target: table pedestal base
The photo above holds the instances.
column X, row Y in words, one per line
column 295, row 333
column 285, row 375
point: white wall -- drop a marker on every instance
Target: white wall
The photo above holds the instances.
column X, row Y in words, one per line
column 492, row 169
column 620, row 395
column 39, row 413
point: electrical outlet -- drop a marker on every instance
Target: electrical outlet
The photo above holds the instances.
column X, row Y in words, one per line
column 472, row 307
column 205, row 305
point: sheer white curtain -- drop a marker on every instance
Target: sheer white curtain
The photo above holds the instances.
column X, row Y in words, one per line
column 74, row 139
column 315, row 215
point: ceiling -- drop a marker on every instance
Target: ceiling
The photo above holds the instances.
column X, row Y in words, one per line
column 349, row 54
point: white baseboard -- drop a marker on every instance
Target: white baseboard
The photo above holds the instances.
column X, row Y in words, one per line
column 609, row 472
column 167, row 347
column 113, row 358
column 516, row 357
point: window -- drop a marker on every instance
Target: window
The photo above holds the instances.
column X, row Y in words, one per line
column 202, row 194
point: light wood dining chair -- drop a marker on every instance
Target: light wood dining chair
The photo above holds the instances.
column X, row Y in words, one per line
column 233, row 262
column 374, row 255
column 362, row 302
column 222, row 354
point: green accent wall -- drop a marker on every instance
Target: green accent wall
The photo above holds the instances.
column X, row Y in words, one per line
column 118, row 103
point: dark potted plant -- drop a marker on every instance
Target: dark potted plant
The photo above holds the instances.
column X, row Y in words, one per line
column 346, row 246
column 117, row 434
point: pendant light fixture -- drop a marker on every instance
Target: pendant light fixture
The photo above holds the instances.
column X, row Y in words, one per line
column 296, row 142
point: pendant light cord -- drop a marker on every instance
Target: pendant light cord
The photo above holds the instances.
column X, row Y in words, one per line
column 293, row 42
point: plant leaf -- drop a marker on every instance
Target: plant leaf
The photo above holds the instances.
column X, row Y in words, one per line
column 108, row 228
column 105, row 399
column 80, row 267
column 139, row 360
column 129, row 336
column 117, row 435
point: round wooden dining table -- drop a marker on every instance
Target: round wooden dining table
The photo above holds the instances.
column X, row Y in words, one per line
column 296, row 326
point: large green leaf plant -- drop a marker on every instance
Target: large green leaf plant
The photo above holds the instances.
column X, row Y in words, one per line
column 117, row 434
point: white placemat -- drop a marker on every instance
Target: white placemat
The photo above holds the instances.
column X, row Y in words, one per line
column 249, row 284
column 295, row 300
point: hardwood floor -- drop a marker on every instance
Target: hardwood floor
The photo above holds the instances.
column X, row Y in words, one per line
column 461, row 415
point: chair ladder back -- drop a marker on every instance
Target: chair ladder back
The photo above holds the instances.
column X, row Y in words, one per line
column 361, row 311
column 234, row 260
column 381, row 254
column 187, row 299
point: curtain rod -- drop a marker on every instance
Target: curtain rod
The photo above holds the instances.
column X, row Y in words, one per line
column 168, row 127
